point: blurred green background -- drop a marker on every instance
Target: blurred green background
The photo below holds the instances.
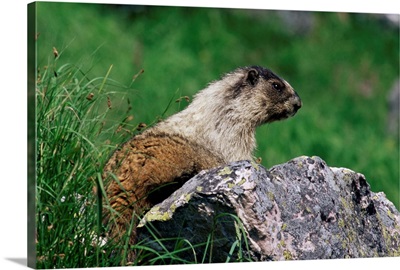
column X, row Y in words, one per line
column 342, row 65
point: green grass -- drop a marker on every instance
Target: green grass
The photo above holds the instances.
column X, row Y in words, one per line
column 69, row 164
column 343, row 70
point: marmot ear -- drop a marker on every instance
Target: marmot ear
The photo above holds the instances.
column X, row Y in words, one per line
column 252, row 77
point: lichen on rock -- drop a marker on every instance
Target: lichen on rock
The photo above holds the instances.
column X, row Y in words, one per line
column 300, row 210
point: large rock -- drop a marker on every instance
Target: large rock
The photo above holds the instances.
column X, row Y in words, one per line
column 299, row 210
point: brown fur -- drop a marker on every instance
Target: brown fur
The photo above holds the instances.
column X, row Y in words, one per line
column 216, row 128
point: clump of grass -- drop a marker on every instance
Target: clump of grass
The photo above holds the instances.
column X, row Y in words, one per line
column 72, row 122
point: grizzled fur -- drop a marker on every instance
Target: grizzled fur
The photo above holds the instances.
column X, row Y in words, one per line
column 216, row 128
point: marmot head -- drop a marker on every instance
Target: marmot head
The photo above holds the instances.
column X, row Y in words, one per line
column 223, row 116
column 265, row 96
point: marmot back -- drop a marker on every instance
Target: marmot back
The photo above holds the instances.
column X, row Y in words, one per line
column 216, row 128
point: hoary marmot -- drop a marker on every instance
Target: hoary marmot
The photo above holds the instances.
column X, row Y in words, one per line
column 216, row 128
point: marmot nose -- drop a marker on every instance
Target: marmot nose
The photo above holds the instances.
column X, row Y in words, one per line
column 297, row 105
column 296, row 102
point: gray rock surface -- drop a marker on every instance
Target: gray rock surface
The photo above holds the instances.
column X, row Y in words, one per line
column 299, row 210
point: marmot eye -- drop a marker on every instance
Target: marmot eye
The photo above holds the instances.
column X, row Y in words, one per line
column 277, row 86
